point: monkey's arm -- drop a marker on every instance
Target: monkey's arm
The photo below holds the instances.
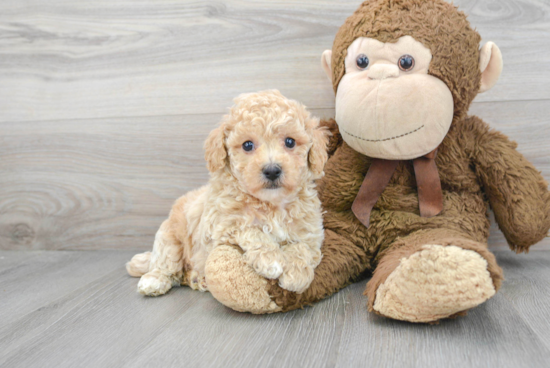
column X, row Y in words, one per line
column 335, row 140
column 517, row 192
column 344, row 174
column 342, row 262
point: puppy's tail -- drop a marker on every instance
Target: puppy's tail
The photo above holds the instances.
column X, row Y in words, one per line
column 139, row 265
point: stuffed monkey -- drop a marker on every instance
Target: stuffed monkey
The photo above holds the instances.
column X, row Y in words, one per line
column 411, row 176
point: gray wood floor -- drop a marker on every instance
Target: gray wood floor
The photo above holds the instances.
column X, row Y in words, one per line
column 73, row 309
column 104, row 106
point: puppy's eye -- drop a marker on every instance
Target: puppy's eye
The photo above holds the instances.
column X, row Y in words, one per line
column 362, row 61
column 406, row 63
column 290, row 143
column 248, row 146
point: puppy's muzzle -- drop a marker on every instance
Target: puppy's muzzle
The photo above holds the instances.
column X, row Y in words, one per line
column 272, row 172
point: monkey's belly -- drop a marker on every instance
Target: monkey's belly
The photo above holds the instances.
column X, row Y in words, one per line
column 396, row 215
column 462, row 211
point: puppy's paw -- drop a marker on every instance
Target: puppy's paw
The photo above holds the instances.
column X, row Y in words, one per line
column 197, row 282
column 266, row 263
column 154, row 284
column 296, row 277
column 271, row 271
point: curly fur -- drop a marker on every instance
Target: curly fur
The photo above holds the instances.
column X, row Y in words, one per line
column 279, row 229
column 479, row 168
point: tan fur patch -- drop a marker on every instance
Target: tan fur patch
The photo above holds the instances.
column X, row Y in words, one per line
column 235, row 284
column 139, row 264
column 435, row 283
column 277, row 222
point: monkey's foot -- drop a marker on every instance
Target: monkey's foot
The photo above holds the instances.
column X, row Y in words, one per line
column 433, row 283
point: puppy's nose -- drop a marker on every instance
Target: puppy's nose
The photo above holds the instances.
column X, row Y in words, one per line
column 272, row 172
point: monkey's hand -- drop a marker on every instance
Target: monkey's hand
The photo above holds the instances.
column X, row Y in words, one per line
column 517, row 192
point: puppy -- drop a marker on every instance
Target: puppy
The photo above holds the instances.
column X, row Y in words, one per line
column 261, row 196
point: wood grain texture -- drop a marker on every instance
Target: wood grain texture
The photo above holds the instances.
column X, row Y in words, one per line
column 109, row 183
column 69, row 59
column 527, row 288
column 307, row 338
column 23, row 288
column 102, row 184
column 104, row 106
column 103, row 322
column 492, row 335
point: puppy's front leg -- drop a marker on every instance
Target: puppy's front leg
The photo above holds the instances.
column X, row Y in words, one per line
column 261, row 252
column 166, row 266
column 300, row 262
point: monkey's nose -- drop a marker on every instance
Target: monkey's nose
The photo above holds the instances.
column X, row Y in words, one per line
column 383, row 71
column 272, row 172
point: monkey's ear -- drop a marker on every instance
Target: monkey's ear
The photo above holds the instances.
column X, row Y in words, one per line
column 326, row 59
column 214, row 148
column 490, row 64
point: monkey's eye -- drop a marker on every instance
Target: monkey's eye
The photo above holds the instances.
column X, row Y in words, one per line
column 290, row 143
column 362, row 61
column 406, row 63
column 248, row 146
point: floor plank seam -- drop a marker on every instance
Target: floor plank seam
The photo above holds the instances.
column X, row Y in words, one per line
column 160, row 329
column 218, row 113
column 527, row 323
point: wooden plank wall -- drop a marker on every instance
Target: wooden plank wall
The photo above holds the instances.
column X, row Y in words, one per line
column 104, row 105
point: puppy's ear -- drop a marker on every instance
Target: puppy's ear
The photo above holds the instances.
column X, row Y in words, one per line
column 318, row 152
column 214, row 148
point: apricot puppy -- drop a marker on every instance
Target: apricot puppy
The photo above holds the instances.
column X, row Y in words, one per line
column 263, row 160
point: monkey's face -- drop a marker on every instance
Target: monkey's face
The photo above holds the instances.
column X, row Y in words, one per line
column 387, row 105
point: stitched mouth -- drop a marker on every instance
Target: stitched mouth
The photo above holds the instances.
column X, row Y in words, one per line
column 384, row 139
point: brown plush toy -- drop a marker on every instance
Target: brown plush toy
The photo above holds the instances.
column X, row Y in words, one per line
column 411, row 177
